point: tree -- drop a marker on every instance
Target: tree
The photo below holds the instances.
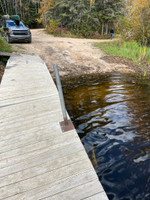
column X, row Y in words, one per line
column 138, row 15
column 82, row 16
column 109, row 13
column 23, row 8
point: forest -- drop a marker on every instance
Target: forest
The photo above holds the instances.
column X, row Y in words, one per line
column 86, row 18
column 26, row 9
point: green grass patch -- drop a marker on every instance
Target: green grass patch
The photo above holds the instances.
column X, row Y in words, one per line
column 4, row 46
column 131, row 50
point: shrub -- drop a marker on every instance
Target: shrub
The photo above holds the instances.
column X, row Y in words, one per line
column 2, row 32
column 60, row 31
column 4, row 46
column 52, row 25
column 127, row 35
column 95, row 35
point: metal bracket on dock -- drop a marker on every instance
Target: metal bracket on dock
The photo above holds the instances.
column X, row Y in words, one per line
column 66, row 125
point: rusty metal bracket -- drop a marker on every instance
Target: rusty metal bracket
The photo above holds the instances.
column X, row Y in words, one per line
column 66, row 125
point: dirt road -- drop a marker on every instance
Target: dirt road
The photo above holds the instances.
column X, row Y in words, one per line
column 73, row 56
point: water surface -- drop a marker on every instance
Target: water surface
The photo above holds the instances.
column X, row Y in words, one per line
column 111, row 114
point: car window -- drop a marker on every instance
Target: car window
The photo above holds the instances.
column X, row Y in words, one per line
column 14, row 24
column 11, row 24
column 21, row 24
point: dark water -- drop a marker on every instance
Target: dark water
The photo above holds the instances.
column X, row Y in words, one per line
column 112, row 117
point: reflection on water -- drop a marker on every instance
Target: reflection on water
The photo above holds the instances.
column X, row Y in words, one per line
column 112, row 117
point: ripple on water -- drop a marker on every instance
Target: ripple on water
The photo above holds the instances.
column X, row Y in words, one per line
column 112, row 116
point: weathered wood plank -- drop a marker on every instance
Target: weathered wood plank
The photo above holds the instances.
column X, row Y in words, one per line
column 49, row 177
column 65, row 184
column 99, row 196
column 40, row 159
column 28, row 110
column 41, row 108
column 11, row 150
column 79, row 192
column 48, row 165
column 30, row 135
column 24, row 124
column 32, row 153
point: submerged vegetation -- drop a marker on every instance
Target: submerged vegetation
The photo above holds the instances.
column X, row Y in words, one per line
column 132, row 50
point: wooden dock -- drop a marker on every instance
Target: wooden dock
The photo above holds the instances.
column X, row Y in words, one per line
column 38, row 160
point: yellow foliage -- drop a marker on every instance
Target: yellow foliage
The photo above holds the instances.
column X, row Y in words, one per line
column 26, row 9
column 39, row 20
column 45, row 5
column 92, row 2
column 138, row 5
column 136, row 9
column 51, row 27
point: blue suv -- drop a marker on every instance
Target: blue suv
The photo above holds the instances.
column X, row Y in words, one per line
column 16, row 30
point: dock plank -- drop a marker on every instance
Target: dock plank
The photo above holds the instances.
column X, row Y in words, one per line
column 48, row 165
column 65, row 184
column 99, row 196
column 49, row 177
column 39, row 159
column 10, row 151
column 79, row 192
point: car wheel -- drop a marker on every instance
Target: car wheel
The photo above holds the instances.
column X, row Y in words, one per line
column 8, row 39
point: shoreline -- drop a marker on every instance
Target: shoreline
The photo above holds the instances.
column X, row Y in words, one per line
column 128, row 68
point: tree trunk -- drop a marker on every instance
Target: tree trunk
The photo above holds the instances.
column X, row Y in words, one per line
column 102, row 31
column 5, row 12
column 1, row 3
column 106, row 29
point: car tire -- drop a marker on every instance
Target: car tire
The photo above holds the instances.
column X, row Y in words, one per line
column 8, row 39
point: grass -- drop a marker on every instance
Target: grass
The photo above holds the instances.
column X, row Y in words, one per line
column 131, row 50
column 4, row 46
